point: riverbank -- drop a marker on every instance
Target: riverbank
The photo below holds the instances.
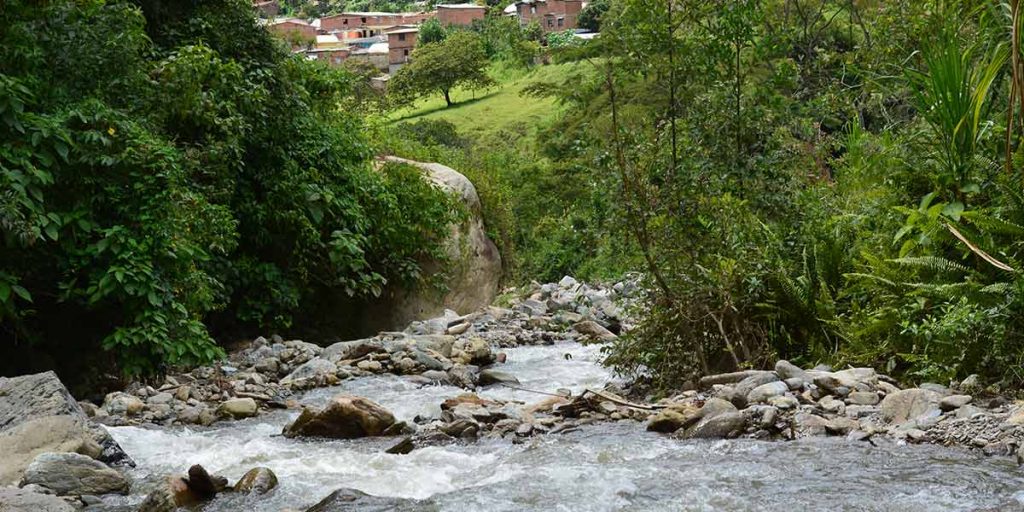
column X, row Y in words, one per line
column 451, row 401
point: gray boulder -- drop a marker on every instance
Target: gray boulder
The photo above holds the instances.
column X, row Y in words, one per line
column 13, row 499
column 763, row 392
column 39, row 415
column 787, row 370
column 313, row 373
column 910, row 404
column 344, row 500
column 72, row 474
column 488, row 377
column 726, row 424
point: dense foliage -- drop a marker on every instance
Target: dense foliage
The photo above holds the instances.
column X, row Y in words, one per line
column 819, row 180
column 168, row 171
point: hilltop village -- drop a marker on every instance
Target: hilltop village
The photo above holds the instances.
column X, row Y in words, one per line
column 386, row 40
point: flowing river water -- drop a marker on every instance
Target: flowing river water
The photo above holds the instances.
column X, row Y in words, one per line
column 608, row 467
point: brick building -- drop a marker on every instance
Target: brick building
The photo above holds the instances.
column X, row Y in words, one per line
column 294, row 30
column 368, row 24
column 462, row 15
column 553, row 15
column 401, row 43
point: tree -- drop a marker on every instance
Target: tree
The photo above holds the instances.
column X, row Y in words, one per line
column 431, row 31
column 590, row 16
column 459, row 60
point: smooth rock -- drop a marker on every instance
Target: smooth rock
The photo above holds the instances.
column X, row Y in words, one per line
column 238, row 408
column 257, row 481
column 909, row 404
column 489, row 376
column 763, row 392
column 594, row 330
column 13, row 499
column 787, row 370
column 344, row 417
column 346, row 500
column 722, row 425
column 72, row 474
column 313, row 373
column 953, row 402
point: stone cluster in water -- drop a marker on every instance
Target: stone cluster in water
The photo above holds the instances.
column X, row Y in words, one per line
column 455, row 350
column 858, row 403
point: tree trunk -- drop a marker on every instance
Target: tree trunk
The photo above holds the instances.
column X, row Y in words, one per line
column 447, row 97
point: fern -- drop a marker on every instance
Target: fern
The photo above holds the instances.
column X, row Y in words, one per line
column 933, row 263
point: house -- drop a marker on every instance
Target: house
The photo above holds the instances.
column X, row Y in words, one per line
column 334, row 57
column 295, row 31
column 376, row 54
column 553, row 15
column 462, row 15
column 350, row 25
column 401, row 43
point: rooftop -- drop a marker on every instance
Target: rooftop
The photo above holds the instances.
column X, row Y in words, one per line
column 460, row 6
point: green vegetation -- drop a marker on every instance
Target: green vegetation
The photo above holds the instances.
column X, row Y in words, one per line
column 169, row 172
column 456, row 61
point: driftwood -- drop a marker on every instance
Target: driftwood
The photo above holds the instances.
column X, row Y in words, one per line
column 619, row 401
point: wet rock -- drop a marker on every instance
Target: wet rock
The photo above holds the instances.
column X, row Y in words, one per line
column 810, row 424
column 203, row 484
column 461, row 428
column 345, row 500
column 489, row 376
column 174, row 492
column 671, row 420
column 721, row 425
column 348, row 350
column 594, row 330
column 74, row 474
column 745, row 386
column 475, row 351
column 344, row 417
column 406, row 445
column 909, row 404
column 13, row 499
column 763, row 392
column 123, row 404
column 39, row 415
column 257, row 481
column 463, row 376
column 313, row 373
column 238, row 408
column 953, row 402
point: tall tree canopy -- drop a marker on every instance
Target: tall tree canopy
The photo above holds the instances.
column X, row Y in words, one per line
column 457, row 61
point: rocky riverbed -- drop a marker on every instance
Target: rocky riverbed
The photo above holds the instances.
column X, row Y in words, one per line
column 505, row 408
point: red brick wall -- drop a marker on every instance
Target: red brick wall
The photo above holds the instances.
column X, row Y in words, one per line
column 548, row 12
column 459, row 16
column 284, row 29
column 333, row 57
column 399, row 49
column 347, row 20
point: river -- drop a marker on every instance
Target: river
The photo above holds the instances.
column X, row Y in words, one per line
column 608, row 467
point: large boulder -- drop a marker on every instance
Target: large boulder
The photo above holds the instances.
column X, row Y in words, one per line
column 13, row 499
column 910, row 404
column 72, row 474
column 344, row 417
column 344, row 500
column 473, row 266
column 238, row 408
column 39, row 415
column 188, row 491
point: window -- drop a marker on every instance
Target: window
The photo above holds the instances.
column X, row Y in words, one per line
column 344, row 21
column 533, row 9
column 551, row 22
column 561, row 22
column 401, row 37
column 362, row 20
column 405, row 53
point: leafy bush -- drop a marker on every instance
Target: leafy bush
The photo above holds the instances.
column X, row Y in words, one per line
column 170, row 171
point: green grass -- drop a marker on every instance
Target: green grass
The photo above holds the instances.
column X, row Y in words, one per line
column 500, row 109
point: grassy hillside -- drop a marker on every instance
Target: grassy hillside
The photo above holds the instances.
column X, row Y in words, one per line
column 499, row 109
